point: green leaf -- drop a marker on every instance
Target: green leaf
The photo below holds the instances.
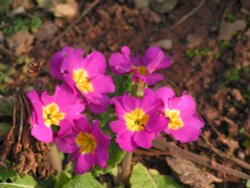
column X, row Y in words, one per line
column 8, row 173
column 248, row 183
column 115, row 157
column 35, row 23
column 4, row 128
column 85, row 180
column 142, row 177
column 22, row 182
column 62, row 179
column 6, row 107
column 123, row 84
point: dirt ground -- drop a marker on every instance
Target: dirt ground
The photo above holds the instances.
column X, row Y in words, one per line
column 210, row 45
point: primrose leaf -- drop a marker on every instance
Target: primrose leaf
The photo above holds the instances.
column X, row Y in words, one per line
column 85, row 180
column 22, row 182
column 142, row 177
column 62, row 179
column 115, row 157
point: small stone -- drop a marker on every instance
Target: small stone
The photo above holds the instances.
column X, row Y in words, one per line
column 141, row 4
column 163, row 6
column 164, row 43
column 194, row 41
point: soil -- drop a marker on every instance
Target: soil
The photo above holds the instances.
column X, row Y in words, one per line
column 216, row 72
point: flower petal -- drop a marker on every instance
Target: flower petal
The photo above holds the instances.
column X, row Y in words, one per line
column 95, row 64
column 165, row 93
column 42, row 133
column 144, row 139
column 83, row 163
column 126, row 142
column 118, row 126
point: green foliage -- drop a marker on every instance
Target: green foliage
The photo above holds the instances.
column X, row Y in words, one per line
column 142, row 177
column 18, row 24
column 85, row 180
column 4, row 128
column 6, row 106
column 23, row 24
column 10, row 179
column 115, row 157
column 224, row 44
column 7, row 174
column 248, row 184
column 123, row 84
column 231, row 17
column 62, row 179
column 197, row 52
column 234, row 74
column 4, row 4
column 35, row 23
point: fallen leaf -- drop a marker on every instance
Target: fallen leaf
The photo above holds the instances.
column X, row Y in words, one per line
column 191, row 175
column 227, row 29
column 46, row 32
column 20, row 42
column 65, row 10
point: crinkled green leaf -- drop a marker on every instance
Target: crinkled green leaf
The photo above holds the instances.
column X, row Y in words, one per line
column 22, row 182
column 83, row 181
column 62, row 179
column 115, row 157
column 141, row 177
column 8, row 173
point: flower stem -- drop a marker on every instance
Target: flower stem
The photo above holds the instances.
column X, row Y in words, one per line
column 124, row 173
column 55, row 159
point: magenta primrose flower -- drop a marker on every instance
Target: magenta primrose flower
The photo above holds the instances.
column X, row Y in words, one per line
column 84, row 75
column 138, row 121
column 58, row 109
column 184, row 123
column 86, row 143
column 142, row 68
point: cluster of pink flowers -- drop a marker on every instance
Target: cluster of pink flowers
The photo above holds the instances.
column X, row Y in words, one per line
column 140, row 119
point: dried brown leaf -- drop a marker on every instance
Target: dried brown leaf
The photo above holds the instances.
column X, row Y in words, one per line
column 190, row 174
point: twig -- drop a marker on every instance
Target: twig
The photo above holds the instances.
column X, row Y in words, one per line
column 174, row 150
column 21, row 108
column 7, row 52
column 227, row 156
column 84, row 13
column 187, row 15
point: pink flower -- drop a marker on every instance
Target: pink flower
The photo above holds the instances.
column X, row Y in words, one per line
column 58, row 109
column 85, row 76
column 184, row 123
column 142, row 69
column 86, row 143
column 138, row 120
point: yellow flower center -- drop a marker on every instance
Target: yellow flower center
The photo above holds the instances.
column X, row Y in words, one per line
column 141, row 69
column 86, row 142
column 136, row 120
column 52, row 114
column 82, row 82
column 175, row 120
